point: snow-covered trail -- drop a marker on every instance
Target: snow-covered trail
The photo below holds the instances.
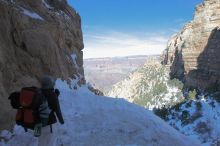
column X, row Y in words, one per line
column 92, row 120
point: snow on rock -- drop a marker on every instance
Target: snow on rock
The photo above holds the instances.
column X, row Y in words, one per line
column 74, row 57
column 92, row 120
column 31, row 14
column 47, row 5
column 63, row 14
column 6, row 135
column 202, row 122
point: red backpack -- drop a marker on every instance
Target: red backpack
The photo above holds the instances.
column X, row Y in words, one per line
column 27, row 114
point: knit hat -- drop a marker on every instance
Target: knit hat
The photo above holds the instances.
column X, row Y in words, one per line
column 47, row 82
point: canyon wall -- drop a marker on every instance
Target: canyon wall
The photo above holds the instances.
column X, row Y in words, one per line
column 193, row 53
column 37, row 37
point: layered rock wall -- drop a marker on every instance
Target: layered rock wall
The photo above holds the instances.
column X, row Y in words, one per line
column 193, row 53
column 37, row 37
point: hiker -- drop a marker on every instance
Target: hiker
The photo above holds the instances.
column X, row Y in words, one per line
column 36, row 110
column 48, row 134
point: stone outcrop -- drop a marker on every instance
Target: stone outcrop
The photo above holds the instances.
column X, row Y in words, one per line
column 37, row 37
column 193, row 53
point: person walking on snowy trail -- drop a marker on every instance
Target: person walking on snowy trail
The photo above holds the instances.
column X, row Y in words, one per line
column 48, row 134
column 36, row 110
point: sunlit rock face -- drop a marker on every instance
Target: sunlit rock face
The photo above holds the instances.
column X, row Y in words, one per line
column 193, row 53
column 37, row 37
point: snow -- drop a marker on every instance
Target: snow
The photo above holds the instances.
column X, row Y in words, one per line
column 8, row 1
column 210, row 117
column 6, row 134
column 47, row 5
column 31, row 14
column 63, row 14
column 92, row 120
column 12, row 1
column 74, row 58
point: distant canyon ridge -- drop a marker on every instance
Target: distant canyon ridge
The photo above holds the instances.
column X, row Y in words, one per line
column 103, row 73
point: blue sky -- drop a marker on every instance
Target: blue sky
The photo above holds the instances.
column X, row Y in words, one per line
column 130, row 27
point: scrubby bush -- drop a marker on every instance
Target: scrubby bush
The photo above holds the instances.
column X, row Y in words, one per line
column 179, row 95
column 152, row 88
column 140, row 101
column 143, row 100
column 175, row 83
column 198, row 106
column 185, row 117
column 162, row 113
column 212, row 103
column 178, row 105
column 159, row 88
column 202, row 128
column 192, row 94
column 188, row 104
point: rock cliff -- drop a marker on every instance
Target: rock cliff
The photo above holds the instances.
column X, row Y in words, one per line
column 193, row 53
column 37, row 37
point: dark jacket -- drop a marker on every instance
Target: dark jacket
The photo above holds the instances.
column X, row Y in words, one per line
column 54, row 105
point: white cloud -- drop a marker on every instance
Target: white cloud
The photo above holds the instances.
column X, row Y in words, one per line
column 113, row 44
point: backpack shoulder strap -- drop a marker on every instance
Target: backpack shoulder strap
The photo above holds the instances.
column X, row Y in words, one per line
column 38, row 98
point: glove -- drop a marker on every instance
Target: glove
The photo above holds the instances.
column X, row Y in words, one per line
column 57, row 92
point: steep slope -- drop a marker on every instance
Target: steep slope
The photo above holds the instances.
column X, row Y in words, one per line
column 193, row 114
column 149, row 86
column 193, row 57
column 193, row 53
column 37, row 37
column 197, row 118
column 92, row 120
